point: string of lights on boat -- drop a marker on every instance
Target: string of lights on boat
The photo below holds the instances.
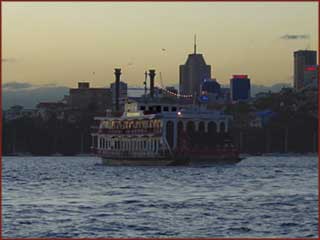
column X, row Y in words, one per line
column 169, row 92
column 173, row 93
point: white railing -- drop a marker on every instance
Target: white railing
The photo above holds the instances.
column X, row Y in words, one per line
column 140, row 154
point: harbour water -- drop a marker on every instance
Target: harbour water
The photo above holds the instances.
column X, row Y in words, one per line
column 79, row 197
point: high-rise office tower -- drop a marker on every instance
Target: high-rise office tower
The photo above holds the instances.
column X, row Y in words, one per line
column 240, row 87
column 311, row 76
column 193, row 72
column 302, row 59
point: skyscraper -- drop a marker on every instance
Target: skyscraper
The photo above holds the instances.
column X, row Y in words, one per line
column 311, row 76
column 240, row 87
column 302, row 59
column 193, row 72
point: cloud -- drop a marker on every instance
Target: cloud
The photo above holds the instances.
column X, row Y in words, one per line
column 295, row 36
column 16, row 85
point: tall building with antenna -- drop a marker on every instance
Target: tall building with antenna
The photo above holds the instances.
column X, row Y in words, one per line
column 193, row 72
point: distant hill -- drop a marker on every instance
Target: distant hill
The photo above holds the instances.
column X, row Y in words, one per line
column 29, row 96
column 259, row 88
column 274, row 88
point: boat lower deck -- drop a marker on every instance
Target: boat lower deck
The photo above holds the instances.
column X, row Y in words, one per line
column 137, row 162
column 169, row 161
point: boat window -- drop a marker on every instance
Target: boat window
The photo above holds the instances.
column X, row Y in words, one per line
column 166, row 109
column 142, row 108
column 173, row 109
column 158, row 108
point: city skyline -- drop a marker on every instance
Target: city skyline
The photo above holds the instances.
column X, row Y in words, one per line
column 64, row 43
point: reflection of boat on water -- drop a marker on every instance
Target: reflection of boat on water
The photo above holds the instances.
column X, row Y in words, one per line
column 56, row 154
column 19, row 154
column 164, row 134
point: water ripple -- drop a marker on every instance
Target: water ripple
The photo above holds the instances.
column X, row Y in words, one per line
column 79, row 197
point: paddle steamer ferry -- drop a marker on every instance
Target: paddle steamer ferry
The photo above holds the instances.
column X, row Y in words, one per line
column 164, row 135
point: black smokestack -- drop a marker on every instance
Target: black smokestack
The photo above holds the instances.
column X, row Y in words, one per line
column 152, row 74
column 117, row 73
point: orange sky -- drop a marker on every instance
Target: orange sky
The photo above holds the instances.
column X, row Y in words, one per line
column 63, row 43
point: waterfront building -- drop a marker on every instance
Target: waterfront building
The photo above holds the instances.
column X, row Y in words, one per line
column 210, row 86
column 310, row 76
column 261, row 118
column 17, row 111
column 47, row 110
column 302, row 59
column 86, row 98
column 192, row 73
column 240, row 87
column 225, row 95
column 210, row 91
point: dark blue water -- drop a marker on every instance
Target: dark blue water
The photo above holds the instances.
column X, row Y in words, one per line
column 78, row 197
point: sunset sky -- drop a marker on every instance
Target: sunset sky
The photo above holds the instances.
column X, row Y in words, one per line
column 63, row 43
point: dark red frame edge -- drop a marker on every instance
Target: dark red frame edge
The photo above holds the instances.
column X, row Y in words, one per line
column 1, row 124
column 318, row 118
column 1, row 141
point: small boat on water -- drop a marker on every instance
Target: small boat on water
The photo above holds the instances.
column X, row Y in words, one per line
column 164, row 135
